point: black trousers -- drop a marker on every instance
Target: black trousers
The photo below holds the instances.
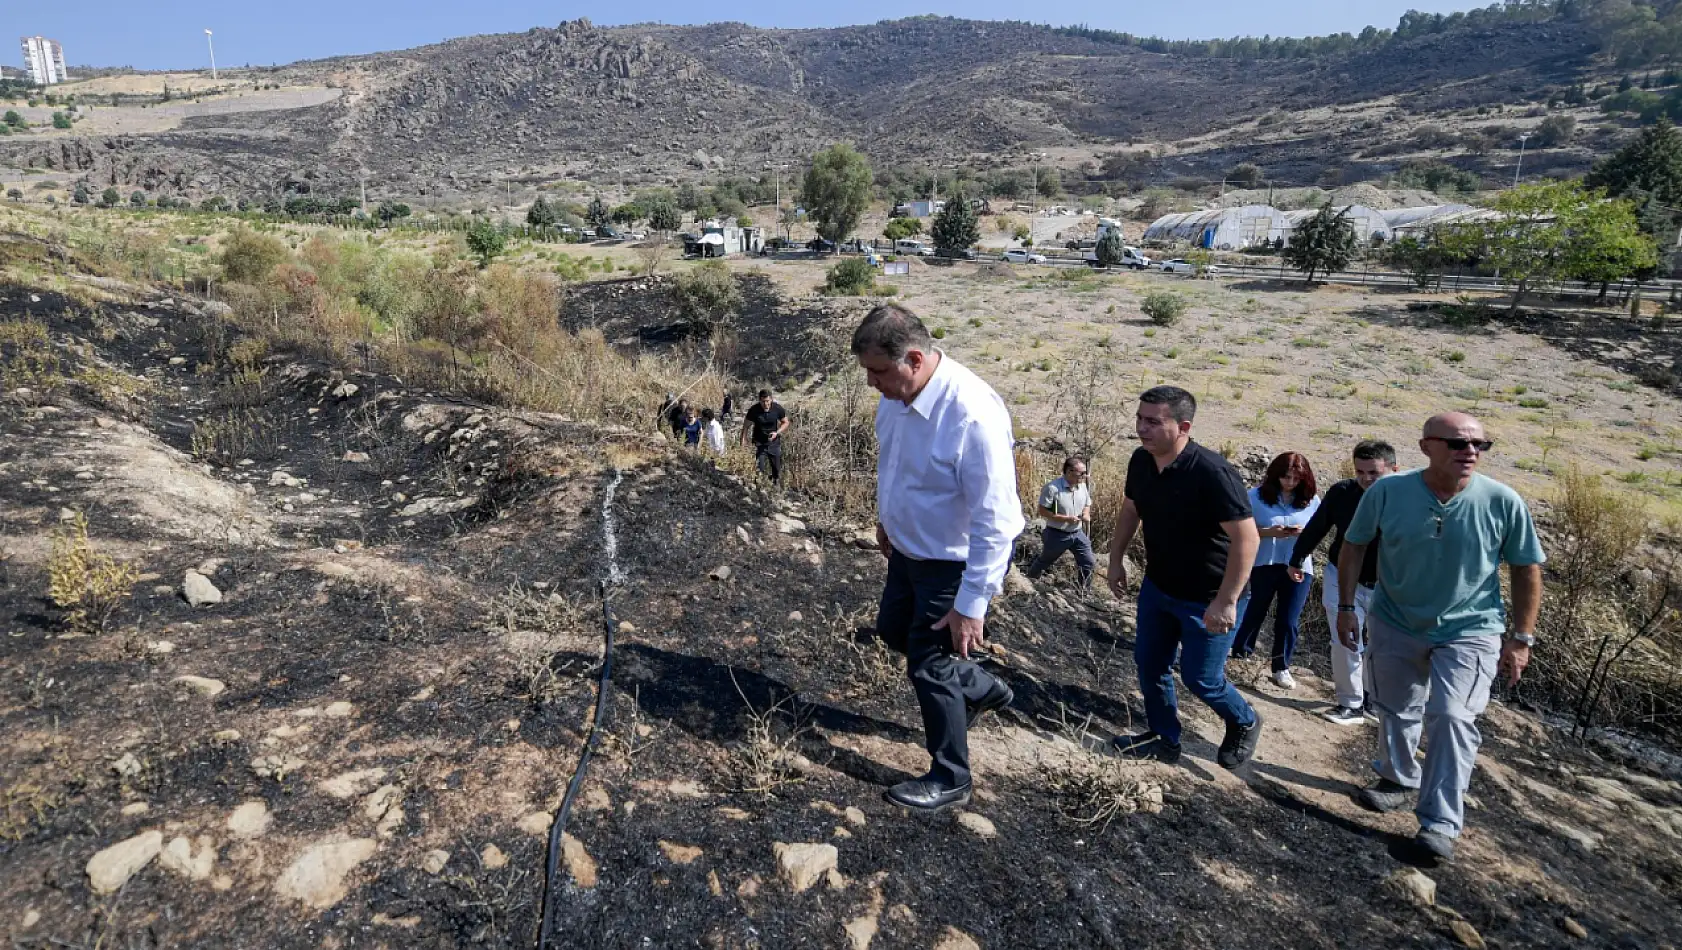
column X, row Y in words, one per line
column 769, row 458
column 917, row 594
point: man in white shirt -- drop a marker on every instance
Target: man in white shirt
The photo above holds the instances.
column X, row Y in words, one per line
column 949, row 513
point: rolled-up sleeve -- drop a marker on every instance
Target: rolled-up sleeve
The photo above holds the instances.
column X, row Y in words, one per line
column 987, row 478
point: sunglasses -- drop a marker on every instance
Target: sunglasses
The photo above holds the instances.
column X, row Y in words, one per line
column 1461, row 445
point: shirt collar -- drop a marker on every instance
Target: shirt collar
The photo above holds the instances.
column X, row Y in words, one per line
column 935, row 388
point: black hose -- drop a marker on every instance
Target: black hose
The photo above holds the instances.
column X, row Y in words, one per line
column 558, row 827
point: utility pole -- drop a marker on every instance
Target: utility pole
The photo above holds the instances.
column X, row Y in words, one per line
column 212, row 44
column 362, row 183
column 1520, row 166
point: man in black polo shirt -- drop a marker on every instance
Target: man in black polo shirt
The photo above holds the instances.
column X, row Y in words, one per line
column 1200, row 542
column 766, row 420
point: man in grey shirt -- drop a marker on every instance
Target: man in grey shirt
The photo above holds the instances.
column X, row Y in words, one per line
column 1066, row 506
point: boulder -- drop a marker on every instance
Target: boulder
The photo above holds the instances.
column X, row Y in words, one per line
column 203, row 685
column 111, row 868
column 1411, row 885
column 801, row 865
column 317, row 877
column 198, row 590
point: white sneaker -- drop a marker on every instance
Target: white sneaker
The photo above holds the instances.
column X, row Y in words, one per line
column 1283, row 680
column 1344, row 716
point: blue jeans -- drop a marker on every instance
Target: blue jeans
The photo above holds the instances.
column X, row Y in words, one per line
column 1272, row 584
column 1167, row 624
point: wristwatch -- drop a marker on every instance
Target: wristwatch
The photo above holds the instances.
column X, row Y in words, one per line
column 1528, row 639
column 1346, row 608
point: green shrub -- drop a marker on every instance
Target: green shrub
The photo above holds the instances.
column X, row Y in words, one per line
column 850, row 278
column 938, row 333
column 248, row 257
column 707, row 296
column 1163, row 307
column 901, row 228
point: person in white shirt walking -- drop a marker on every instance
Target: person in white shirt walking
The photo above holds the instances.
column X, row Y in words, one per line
column 948, row 516
column 712, row 433
column 1066, row 505
column 1283, row 503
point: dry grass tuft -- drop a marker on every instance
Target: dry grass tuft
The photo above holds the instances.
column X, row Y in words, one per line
column 1089, row 785
column 768, row 758
column 88, row 585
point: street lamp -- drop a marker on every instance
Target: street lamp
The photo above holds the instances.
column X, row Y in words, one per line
column 1520, row 166
column 212, row 44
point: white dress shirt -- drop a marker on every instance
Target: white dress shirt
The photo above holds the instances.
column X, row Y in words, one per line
column 1281, row 515
column 946, row 480
column 712, row 435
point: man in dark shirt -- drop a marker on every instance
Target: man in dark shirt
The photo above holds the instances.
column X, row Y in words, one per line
column 1200, row 543
column 1373, row 461
column 766, row 421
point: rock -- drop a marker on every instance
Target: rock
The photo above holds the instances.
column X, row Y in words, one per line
column 203, row 685
column 283, row 479
column 579, row 864
column 865, row 541
column 198, row 590
column 1411, row 885
column 720, row 573
column 787, row 525
column 860, row 931
column 433, row 861
column 351, row 784
column 135, row 808
column 381, row 802
column 680, row 853
column 345, row 390
column 225, row 736
column 127, row 766
column 795, row 616
column 31, row 917
column 317, row 877
column 179, row 857
column 734, row 814
column 1018, row 585
column 978, row 825
column 855, row 816
column 111, row 868
column 276, row 766
column 338, row 710
column 537, row 823
column 1466, row 934
column 802, row 865
column 355, row 458
column 160, row 647
column 625, row 626
column 250, row 820
column 492, row 858
column 954, row 939
column 749, row 887
column 1573, row 928
column 742, row 536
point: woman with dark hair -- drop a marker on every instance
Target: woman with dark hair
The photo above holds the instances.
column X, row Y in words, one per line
column 1282, row 504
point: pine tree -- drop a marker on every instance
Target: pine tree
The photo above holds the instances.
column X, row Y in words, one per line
column 542, row 214
column 597, row 214
column 1648, row 171
column 1323, row 243
column 955, row 229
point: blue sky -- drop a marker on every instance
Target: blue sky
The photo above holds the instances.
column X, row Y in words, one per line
column 169, row 34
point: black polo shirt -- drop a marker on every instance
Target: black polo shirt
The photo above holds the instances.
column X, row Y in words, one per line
column 1182, row 508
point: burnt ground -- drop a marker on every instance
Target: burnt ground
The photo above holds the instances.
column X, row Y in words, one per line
column 417, row 673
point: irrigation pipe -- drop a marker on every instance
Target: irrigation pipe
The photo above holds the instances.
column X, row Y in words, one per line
column 557, row 828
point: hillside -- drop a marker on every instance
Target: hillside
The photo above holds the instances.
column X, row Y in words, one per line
column 649, row 102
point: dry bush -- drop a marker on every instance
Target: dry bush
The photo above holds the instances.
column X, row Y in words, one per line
column 29, row 361
column 651, row 256
column 871, row 668
column 87, row 585
column 537, row 629
column 1089, row 785
column 768, row 758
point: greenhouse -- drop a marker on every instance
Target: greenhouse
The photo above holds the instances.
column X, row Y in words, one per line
column 1221, row 229
column 1404, row 222
column 1370, row 226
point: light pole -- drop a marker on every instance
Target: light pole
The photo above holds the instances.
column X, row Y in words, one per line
column 1520, row 166
column 212, row 44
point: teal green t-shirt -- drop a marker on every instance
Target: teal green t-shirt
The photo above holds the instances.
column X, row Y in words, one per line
column 1438, row 562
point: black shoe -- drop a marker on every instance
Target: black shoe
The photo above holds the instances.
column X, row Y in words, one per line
column 1433, row 847
column 926, row 795
column 1385, row 795
column 1239, row 744
column 1147, row 745
column 1000, row 697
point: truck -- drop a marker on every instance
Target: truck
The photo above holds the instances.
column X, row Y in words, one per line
column 1130, row 256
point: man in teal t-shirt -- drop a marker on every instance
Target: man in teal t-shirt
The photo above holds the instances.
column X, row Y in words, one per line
column 1437, row 620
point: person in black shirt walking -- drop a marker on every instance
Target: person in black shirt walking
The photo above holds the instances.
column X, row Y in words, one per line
column 1373, row 461
column 1200, row 543
column 766, row 421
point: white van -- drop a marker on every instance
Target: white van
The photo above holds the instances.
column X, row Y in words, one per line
column 912, row 248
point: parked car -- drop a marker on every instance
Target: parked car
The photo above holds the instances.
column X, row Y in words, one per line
column 912, row 248
column 1178, row 266
column 821, row 246
column 967, row 254
column 1021, row 255
column 610, row 233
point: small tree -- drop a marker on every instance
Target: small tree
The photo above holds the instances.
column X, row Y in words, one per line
column 110, row 197
column 248, row 257
column 137, row 200
column 1420, row 258
column 836, row 190
column 663, row 215
column 1325, row 242
column 627, row 214
column 850, row 278
column 707, row 296
column 213, row 203
column 81, row 195
column 597, row 214
column 389, row 211
column 901, row 228
column 1164, row 307
column 14, row 194
column 1606, row 244
column 485, row 241
column 13, row 119
column 1111, row 249
column 955, row 228
column 1244, row 175
column 1531, row 239
column 61, row 121
column 541, row 214
column 1555, row 130
column 1049, row 183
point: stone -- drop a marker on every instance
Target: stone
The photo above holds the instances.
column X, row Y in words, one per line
column 1017, row 584
column 317, row 877
column 203, row 685
column 1411, row 885
column 537, row 823
column 127, row 766
column 345, row 390
column 680, row 853
column 284, row 479
column 381, row 802
column 1466, row 934
column 748, row 887
column 352, row 784
column 855, row 816
column 795, row 616
column 250, row 820
column 492, row 858
column 787, row 525
column 433, row 861
column 225, row 736
column 1573, row 928
column 733, row 813
column 198, row 590
column 160, row 647
column 31, row 917
column 625, row 626
column 860, row 931
column 135, row 808
column 954, row 939
column 111, row 868
column 338, row 710
column 579, row 864
column 978, row 825
column 715, row 885
column 801, row 865
column 720, row 573
column 355, row 458
column 180, row 857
